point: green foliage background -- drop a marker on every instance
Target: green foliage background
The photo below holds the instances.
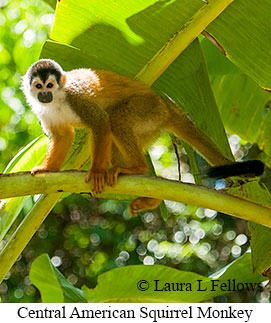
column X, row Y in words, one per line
column 24, row 27
column 85, row 237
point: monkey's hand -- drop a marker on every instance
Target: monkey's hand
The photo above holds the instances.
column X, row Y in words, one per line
column 97, row 180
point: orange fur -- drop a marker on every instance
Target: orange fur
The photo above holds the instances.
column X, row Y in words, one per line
column 58, row 149
column 143, row 203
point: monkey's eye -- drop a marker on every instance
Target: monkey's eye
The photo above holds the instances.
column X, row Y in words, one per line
column 38, row 86
column 50, row 85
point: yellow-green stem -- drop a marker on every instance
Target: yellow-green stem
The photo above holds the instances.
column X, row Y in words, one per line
column 181, row 40
column 22, row 184
column 25, row 231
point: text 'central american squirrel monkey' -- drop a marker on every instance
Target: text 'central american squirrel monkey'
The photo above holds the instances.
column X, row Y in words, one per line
column 124, row 117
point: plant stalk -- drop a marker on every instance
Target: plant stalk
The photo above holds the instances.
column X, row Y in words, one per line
column 181, row 40
column 21, row 184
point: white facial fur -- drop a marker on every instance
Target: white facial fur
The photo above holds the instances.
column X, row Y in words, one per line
column 53, row 114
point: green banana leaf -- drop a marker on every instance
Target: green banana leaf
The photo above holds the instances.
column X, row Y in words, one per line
column 144, row 283
column 243, row 31
column 111, row 286
column 26, row 159
column 244, row 106
column 54, row 287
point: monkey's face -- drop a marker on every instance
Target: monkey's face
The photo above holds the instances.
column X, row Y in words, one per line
column 44, row 91
column 43, row 83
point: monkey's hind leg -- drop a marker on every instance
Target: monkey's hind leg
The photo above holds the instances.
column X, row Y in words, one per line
column 133, row 159
column 141, row 203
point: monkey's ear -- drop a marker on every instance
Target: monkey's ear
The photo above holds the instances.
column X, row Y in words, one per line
column 63, row 79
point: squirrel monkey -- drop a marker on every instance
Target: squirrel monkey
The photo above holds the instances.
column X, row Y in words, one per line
column 124, row 117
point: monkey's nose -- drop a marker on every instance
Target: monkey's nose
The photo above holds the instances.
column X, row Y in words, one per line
column 45, row 97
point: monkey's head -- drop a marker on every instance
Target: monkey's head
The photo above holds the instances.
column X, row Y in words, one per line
column 43, row 80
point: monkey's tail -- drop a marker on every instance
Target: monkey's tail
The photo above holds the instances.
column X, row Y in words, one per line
column 249, row 168
column 183, row 126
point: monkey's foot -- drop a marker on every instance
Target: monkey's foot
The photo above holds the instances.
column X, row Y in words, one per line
column 132, row 210
column 143, row 203
column 112, row 175
column 37, row 169
column 97, row 180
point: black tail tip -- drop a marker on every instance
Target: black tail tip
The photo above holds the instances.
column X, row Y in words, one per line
column 249, row 168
